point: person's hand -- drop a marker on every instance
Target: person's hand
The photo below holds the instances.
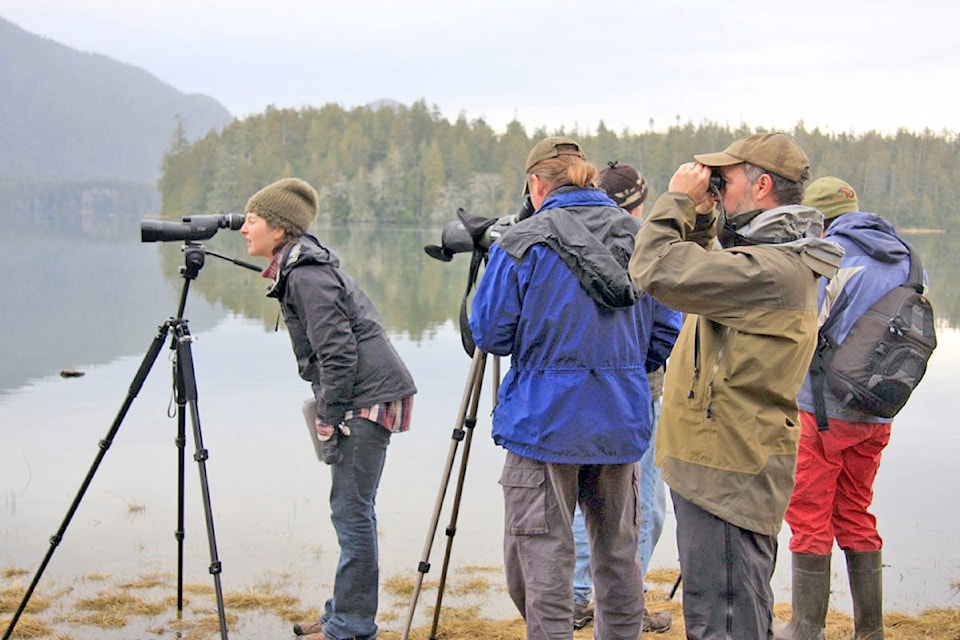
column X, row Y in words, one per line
column 693, row 179
column 324, row 431
column 329, row 441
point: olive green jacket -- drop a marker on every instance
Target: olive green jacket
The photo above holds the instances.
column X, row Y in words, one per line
column 728, row 433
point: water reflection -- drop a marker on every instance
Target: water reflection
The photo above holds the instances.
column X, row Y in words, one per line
column 413, row 292
column 73, row 301
column 76, row 300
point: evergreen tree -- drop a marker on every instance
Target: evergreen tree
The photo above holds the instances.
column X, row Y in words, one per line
column 408, row 165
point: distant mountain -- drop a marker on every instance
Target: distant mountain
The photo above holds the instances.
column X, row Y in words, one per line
column 67, row 115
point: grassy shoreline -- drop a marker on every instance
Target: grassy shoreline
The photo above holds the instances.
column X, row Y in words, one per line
column 102, row 606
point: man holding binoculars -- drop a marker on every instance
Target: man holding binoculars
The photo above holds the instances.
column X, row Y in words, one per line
column 728, row 433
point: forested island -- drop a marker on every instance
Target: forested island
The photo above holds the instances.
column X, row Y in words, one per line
column 400, row 164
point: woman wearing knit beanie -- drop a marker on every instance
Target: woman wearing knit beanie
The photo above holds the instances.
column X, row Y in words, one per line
column 363, row 392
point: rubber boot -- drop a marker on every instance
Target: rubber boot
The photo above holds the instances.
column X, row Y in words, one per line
column 866, row 587
column 811, row 595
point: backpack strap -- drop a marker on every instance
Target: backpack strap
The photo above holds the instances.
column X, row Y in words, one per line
column 818, row 375
column 478, row 257
column 915, row 279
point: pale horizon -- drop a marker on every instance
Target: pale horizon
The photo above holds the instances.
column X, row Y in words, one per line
column 847, row 67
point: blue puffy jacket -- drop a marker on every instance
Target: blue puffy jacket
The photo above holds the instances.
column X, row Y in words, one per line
column 557, row 298
column 875, row 260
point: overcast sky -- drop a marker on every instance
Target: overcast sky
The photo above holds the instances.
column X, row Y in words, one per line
column 841, row 65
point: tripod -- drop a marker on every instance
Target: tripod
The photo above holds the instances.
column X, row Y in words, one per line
column 185, row 394
column 466, row 420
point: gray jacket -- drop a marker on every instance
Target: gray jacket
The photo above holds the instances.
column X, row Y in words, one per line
column 339, row 340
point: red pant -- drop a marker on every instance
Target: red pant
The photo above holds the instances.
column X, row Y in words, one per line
column 834, row 489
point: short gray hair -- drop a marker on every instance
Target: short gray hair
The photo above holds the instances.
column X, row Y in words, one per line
column 784, row 191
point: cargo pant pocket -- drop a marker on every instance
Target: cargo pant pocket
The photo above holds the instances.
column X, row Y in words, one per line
column 524, row 483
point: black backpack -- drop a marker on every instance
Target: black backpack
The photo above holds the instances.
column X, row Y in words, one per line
column 883, row 357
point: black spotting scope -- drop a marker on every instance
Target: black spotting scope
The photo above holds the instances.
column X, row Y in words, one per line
column 192, row 227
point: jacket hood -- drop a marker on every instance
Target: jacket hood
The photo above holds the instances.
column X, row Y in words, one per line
column 593, row 236
column 783, row 224
column 308, row 250
column 874, row 236
column 799, row 228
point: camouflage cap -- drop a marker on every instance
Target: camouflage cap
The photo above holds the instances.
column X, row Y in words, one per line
column 831, row 196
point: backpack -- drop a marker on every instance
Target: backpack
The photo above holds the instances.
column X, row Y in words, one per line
column 883, row 357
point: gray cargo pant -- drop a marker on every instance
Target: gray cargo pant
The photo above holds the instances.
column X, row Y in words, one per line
column 538, row 551
column 726, row 576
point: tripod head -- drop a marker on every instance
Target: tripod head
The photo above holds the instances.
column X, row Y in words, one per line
column 194, row 258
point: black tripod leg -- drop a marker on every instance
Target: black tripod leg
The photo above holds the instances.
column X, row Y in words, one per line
column 181, row 442
column 470, row 392
column 676, row 585
column 188, row 383
column 145, row 365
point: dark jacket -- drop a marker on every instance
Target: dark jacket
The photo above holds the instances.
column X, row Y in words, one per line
column 339, row 340
column 875, row 260
column 556, row 297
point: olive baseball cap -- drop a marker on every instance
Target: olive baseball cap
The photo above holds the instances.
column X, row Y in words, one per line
column 831, row 196
column 775, row 152
column 552, row 147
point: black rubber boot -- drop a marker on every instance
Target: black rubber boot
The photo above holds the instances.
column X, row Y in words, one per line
column 811, row 595
column 866, row 586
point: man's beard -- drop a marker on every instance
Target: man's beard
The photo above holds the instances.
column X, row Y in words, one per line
column 730, row 222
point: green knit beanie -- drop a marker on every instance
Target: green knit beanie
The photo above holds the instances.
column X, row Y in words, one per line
column 290, row 204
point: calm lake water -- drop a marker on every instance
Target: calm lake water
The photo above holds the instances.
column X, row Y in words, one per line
column 95, row 304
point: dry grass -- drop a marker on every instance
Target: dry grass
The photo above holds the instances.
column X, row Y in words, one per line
column 269, row 604
column 135, row 507
column 12, row 595
column 102, row 619
column 28, row 626
column 121, row 604
column 466, row 624
column 145, row 582
column 255, row 599
column 471, row 586
column 479, row 568
column 197, row 628
column 402, row 586
column 95, row 576
column 200, row 589
column 13, row 572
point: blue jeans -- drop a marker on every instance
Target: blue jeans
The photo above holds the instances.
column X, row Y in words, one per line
column 352, row 610
column 653, row 507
